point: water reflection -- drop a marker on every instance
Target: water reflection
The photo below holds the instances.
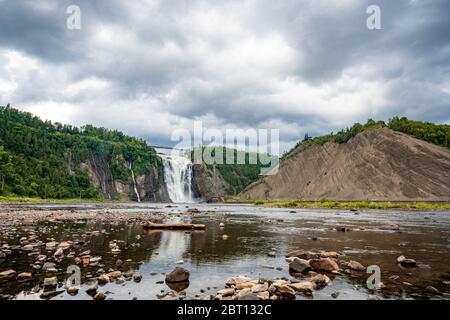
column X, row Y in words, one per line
column 252, row 233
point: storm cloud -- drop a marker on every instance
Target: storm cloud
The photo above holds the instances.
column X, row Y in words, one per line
column 148, row 67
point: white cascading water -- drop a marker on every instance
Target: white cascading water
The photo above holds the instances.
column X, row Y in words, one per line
column 134, row 183
column 178, row 177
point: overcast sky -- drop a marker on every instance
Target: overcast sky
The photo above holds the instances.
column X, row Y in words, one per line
column 147, row 67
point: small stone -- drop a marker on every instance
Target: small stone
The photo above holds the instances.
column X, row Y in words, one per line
column 355, row 265
column 372, row 297
column 103, row 279
column 302, row 254
column 226, row 292
column 7, row 273
column 330, row 254
column 263, row 295
column 50, row 294
column 272, row 254
column 180, row 262
column 258, row 288
column 235, row 280
column 92, row 290
column 24, row 276
column 85, row 253
column 334, row 295
column 320, row 280
column 59, row 252
column 266, row 266
column 342, row 229
column 51, row 245
column 50, row 282
column 432, row 290
column 72, row 291
column 392, row 226
column 304, row 286
column 99, row 296
column 244, row 285
column 137, row 277
column 49, row 267
column 28, row 247
column 114, row 274
column 408, row 263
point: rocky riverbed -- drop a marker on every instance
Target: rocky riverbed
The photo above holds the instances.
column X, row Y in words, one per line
column 245, row 253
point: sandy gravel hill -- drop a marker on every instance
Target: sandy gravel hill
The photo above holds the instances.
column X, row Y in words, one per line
column 377, row 164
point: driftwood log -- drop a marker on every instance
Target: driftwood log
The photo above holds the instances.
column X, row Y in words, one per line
column 174, row 226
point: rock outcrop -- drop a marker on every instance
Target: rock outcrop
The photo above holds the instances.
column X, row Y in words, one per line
column 208, row 184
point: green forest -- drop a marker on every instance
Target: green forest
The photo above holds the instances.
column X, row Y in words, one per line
column 42, row 159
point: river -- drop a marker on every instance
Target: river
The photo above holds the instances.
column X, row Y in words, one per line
column 252, row 233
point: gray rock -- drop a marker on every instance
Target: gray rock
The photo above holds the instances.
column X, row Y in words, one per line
column 50, row 282
column 24, row 276
column 92, row 289
column 298, row 265
column 49, row 267
column 326, row 264
column 137, row 277
column 103, row 279
column 302, row 254
column 99, row 296
column 7, row 273
column 72, row 291
column 178, row 275
column 50, row 294
column 226, row 292
column 432, row 290
column 408, row 263
column 355, row 265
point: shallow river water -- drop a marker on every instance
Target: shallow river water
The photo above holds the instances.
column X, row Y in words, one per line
column 252, row 233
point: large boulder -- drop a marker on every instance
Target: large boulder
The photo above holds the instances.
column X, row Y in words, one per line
column 326, row 264
column 320, row 280
column 236, row 280
column 302, row 254
column 304, row 286
column 298, row 265
column 178, row 275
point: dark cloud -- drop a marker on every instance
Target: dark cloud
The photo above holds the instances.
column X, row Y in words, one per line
column 149, row 67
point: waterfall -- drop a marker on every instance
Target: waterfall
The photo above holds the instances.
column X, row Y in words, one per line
column 134, row 183
column 178, row 177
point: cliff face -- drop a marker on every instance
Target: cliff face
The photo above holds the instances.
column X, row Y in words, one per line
column 208, row 184
column 151, row 186
column 378, row 164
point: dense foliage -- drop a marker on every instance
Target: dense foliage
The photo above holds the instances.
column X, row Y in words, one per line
column 237, row 174
column 43, row 159
column 430, row 132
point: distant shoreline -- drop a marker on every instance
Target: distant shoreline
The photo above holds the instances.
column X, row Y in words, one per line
column 288, row 204
column 329, row 204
